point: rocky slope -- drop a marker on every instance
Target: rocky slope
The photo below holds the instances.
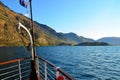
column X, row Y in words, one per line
column 44, row 35
column 78, row 39
column 9, row 35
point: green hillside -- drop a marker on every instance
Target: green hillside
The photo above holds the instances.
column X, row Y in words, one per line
column 9, row 35
column 93, row 44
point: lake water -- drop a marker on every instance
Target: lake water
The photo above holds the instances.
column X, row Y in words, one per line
column 85, row 62
column 82, row 62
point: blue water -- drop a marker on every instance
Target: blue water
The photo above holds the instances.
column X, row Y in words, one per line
column 85, row 62
column 82, row 62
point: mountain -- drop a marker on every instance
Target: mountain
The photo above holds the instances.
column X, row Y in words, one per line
column 9, row 35
column 76, row 38
column 93, row 44
column 110, row 40
column 44, row 35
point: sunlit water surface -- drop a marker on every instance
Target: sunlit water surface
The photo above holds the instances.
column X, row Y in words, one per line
column 82, row 62
column 85, row 62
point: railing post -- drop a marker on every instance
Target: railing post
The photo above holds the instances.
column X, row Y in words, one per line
column 57, row 72
column 37, row 67
column 45, row 65
column 19, row 67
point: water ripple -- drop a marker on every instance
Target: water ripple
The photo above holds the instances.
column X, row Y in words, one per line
column 86, row 62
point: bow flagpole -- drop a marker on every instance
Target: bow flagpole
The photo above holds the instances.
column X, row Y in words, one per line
column 34, row 75
column 34, row 64
column 32, row 32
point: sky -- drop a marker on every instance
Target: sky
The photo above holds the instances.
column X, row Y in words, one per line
column 89, row 18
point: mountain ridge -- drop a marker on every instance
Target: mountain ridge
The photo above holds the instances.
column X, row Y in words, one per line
column 93, row 44
column 44, row 35
column 110, row 40
column 78, row 39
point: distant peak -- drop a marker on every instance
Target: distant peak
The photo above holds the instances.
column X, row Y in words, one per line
column 71, row 33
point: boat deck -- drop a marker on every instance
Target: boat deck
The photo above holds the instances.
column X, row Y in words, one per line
column 20, row 69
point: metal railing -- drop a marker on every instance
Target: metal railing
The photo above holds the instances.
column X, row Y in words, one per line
column 49, row 71
column 19, row 69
